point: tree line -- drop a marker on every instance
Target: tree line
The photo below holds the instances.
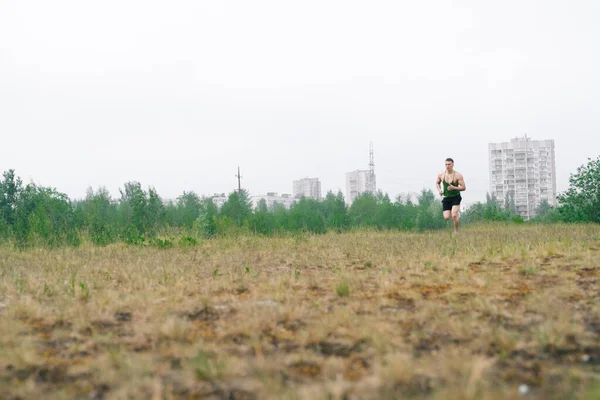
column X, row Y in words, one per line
column 33, row 215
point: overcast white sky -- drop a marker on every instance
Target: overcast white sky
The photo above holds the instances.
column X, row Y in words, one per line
column 177, row 94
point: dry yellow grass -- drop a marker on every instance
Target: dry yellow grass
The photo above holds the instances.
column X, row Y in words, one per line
column 363, row 315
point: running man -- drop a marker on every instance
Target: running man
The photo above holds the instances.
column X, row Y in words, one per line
column 453, row 183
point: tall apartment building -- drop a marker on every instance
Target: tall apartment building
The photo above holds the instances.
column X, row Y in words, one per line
column 359, row 181
column 307, row 187
column 523, row 174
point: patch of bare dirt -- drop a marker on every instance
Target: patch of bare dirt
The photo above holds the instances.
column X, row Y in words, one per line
column 419, row 386
column 302, row 370
column 432, row 342
column 336, row 348
column 204, row 314
column 401, row 300
column 357, row 369
column 293, row 325
column 279, row 341
column 432, row 292
column 123, row 316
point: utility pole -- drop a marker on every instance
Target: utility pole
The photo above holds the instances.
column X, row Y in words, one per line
column 239, row 180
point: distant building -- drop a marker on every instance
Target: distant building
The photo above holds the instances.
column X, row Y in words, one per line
column 361, row 181
column 307, row 187
column 272, row 198
column 219, row 199
column 413, row 197
column 523, row 174
column 358, row 182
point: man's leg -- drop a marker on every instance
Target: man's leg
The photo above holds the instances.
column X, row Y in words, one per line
column 446, row 215
column 456, row 217
column 446, row 209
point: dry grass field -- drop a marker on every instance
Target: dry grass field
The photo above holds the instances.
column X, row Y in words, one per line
column 499, row 312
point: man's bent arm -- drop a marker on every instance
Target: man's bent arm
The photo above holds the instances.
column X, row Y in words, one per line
column 437, row 184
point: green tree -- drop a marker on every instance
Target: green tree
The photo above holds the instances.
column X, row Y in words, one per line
column 10, row 190
column 488, row 211
column 509, row 203
column 387, row 217
column 262, row 221
column 335, row 211
column 206, row 222
column 543, row 208
column 363, row 211
column 545, row 213
column 238, row 207
column 281, row 217
column 44, row 216
column 429, row 214
column 406, row 213
column 155, row 213
column 173, row 215
column 306, row 215
column 189, row 206
column 98, row 214
column 133, row 210
column 581, row 202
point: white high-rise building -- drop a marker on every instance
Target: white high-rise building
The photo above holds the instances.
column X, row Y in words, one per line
column 523, row 174
column 357, row 182
column 307, row 187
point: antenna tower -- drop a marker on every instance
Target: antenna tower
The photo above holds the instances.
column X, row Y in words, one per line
column 371, row 187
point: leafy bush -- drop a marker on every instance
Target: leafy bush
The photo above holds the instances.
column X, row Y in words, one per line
column 187, row 241
column 581, row 202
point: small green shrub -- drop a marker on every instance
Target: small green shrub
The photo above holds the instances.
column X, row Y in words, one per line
column 342, row 289
column 187, row 241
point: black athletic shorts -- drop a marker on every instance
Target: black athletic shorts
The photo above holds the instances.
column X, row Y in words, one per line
column 448, row 202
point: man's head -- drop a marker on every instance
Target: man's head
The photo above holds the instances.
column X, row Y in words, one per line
column 449, row 164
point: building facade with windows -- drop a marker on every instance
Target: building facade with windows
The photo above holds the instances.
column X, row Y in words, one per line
column 272, row 199
column 219, row 199
column 307, row 187
column 523, row 174
column 358, row 182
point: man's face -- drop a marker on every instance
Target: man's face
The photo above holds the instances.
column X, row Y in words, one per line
column 449, row 165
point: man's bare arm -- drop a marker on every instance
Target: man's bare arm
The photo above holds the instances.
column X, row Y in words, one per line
column 461, row 185
column 437, row 184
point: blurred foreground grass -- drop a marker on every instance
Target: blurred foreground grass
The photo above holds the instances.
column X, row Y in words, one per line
column 499, row 312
